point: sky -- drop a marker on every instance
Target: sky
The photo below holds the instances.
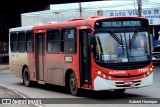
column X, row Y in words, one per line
column 107, row 5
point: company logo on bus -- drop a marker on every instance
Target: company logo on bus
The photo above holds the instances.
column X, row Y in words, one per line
column 129, row 75
column 117, row 72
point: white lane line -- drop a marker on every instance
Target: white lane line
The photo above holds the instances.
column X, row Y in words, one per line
column 19, row 94
column 25, row 97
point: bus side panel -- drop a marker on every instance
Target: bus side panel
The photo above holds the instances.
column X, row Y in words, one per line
column 13, row 65
column 31, row 65
column 17, row 61
column 71, row 61
column 57, row 65
column 54, row 72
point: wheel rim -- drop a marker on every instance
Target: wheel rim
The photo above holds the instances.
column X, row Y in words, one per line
column 73, row 84
column 26, row 78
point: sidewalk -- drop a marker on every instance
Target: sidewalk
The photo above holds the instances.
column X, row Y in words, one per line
column 5, row 92
column 9, row 98
column 9, row 94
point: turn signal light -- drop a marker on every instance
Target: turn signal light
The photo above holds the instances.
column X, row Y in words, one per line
column 151, row 69
column 109, row 77
column 101, row 74
column 148, row 73
column 104, row 75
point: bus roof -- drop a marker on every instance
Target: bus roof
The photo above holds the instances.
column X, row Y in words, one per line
column 74, row 22
column 20, row 29
column 77, row 22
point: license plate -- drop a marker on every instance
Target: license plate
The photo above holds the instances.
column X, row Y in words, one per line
column 128, row 83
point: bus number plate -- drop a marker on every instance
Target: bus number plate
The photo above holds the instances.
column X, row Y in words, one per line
column 128, row 83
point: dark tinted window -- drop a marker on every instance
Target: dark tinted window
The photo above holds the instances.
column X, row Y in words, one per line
column 21, row 42
column 53, row 41
column 14, row 42
column 30, row 41
column 68, row 40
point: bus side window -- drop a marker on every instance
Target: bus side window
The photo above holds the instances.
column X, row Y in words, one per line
column 21, row 42
column 53, row 41
column 30, row 41
column 68, row 40
column 14, row 41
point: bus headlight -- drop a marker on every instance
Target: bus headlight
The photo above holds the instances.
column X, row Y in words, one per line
column 151, row 69
column 148, row 73
column 104, row 75
column 99, row 72
column 109, row 77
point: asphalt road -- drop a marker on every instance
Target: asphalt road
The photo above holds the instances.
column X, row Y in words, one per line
column 87, row 98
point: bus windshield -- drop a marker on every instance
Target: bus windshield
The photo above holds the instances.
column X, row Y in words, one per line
column 125, row 46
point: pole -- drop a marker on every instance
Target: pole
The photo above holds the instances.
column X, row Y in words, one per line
column 139, row 2
column 80, row 9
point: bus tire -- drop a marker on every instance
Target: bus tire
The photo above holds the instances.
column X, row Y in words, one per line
column 26, row 77
column 119, row 91
column 73, row 84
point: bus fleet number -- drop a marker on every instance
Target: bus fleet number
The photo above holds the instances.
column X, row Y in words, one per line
column 142, row 70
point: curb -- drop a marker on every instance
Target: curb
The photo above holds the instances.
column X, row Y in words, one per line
column 8, row 93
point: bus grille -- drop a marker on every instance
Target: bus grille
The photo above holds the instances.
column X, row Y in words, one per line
column 127, row 76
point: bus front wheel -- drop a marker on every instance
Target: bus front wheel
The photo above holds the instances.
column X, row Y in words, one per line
column 26, row 77
column 73, row 84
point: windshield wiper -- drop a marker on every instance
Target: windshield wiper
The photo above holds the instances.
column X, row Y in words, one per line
column 115, row 37
column 131, row 41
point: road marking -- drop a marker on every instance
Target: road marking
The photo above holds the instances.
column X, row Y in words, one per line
column 25, row 97
column 19, row 94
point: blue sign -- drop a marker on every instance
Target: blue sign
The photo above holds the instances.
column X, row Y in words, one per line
column 152, row 14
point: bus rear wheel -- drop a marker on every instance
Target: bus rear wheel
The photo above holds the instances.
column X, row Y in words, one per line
column 26, row 77
column 73, row 84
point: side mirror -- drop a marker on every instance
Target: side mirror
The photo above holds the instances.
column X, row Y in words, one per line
column 92, row 43
column 92, row 40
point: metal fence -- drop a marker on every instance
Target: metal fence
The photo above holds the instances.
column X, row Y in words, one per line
column 4, row 56
column 3, row 47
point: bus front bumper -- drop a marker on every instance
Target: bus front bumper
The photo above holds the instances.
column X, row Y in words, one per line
column 103, row 84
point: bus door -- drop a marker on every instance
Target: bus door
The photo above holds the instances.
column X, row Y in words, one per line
column 39, row 55
column 85, row 60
